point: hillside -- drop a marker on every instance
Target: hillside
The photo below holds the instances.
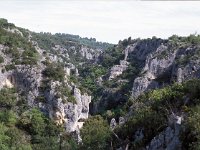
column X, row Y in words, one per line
column 61, row 91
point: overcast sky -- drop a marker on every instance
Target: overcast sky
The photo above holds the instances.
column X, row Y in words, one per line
column 106, row 20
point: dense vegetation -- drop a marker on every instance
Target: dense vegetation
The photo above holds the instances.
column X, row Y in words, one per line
column 48, row 40
column 54, row 71
column 18, row 47
column 151, row 112
column 27, row 128
column 95, row 134
column 22, row 127
column 150, row 115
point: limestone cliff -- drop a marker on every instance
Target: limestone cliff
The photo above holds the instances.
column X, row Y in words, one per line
column 29, row 79
column 165, row 65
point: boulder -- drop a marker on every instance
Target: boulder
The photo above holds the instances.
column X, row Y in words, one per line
column 113, row 123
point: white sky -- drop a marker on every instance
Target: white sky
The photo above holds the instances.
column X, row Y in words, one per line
column 107, row 20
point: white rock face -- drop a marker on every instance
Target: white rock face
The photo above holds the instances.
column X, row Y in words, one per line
column 71, row 69
column 5, row 77
column 117, row 70
column 142, row 84
column 121, row 121
column 89, row 53
column 179, row 75
column 83, row 102
column 157, row 66
column 75, row 112
column 7, row 80
column 85, row 53
column 113, row 123
column 129, row 49
column 7, row 83
column 69, row 114
column 67, row 71
column 187, row 71
column 167, row 64
column 154, row 67
column 61, row 50
column 29, row 79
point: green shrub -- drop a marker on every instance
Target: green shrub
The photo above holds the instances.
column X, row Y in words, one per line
column 8, row 117
column 3, row 22
column 1, row 59
column 65, row 92
column 33, row 121
column 4, row 139
column 7, row 98
column 18, row 139
column 150, row 121
column 54, row 72
column 191, row 135
column 13, row 51
column 95, row 134
column 163, row 54
column 30, row 57
column 10, row 67
column 192, row 88
column 73, row 79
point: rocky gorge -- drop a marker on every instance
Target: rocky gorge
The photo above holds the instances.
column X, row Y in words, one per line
column 137, row 94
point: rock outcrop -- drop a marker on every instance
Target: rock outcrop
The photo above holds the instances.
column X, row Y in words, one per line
column 28, row 79
column 154, row 68
column 117, row 70
column 142, row 84
column 164, row 65
column 71, row 69
column 169, row 138
column 113, row 123
column 188, row 64
column 72, row 115
column 90, row 53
